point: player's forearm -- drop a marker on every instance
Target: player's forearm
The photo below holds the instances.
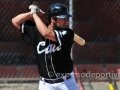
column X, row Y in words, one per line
column 40, row 25
column 20, row 19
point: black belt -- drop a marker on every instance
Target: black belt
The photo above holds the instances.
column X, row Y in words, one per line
column 55, row 81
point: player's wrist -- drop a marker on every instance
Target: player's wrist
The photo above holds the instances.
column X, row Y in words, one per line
column 32, row 13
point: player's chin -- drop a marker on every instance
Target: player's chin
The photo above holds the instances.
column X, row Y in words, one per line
column 64, row 26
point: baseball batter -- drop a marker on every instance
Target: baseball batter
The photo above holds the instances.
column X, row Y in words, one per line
column 52, row 45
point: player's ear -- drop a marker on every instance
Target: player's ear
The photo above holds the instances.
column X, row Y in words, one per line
column 52, row 19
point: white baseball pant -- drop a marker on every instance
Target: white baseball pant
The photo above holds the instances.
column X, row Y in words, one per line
column 69, row 84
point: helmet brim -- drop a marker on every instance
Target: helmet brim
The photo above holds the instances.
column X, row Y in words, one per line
column 63, row 16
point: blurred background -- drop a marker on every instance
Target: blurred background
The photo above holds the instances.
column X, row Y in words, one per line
column 97, row 21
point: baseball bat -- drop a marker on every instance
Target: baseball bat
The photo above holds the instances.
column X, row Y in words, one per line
column 76, row 38
column 114, row 83
column 78, row 80
column 91, row 88
column 111, row 87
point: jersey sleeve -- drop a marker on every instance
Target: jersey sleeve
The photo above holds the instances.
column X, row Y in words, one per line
column 28, row 28
column 64, row 37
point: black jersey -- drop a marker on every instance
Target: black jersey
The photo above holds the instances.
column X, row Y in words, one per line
column 53, row 58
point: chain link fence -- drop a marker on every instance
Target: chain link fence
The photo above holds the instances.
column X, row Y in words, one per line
column 97, row 21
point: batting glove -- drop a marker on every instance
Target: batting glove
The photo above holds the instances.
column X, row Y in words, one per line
column 34, row 9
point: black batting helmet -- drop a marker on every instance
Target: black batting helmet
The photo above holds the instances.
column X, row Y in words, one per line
column 58, row 10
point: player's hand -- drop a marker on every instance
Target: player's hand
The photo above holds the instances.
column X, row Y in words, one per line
column 35, row 9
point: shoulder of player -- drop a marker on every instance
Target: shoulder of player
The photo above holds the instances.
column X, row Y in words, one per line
column 30, row 22
column 67, row 29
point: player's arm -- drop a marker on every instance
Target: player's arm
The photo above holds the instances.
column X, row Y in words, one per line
column 20, row 19
column 43, row 29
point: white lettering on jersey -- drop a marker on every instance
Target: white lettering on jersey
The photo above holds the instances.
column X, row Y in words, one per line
column 50, row 48
column 64, row 32
column 38, row 46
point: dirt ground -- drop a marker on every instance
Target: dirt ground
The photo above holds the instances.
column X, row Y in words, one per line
column 34, row 86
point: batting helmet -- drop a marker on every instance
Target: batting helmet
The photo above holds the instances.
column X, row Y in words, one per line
column 58, row 11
